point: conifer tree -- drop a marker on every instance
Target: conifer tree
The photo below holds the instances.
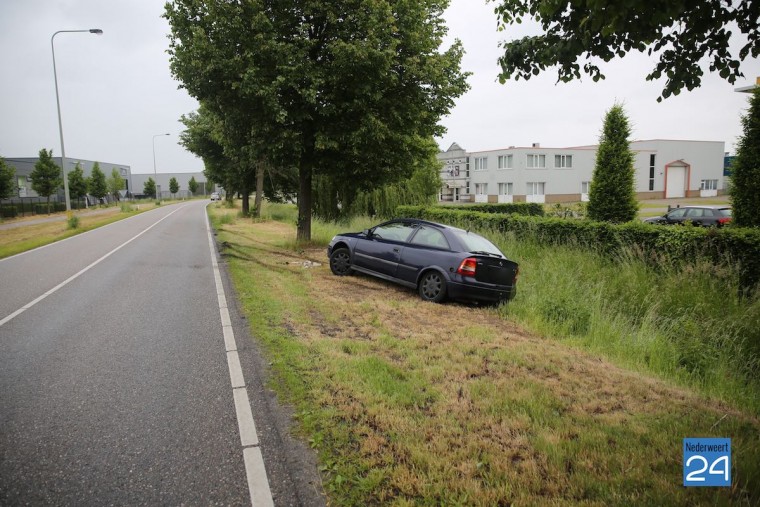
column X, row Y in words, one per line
column 745, row 169
column 612, row 197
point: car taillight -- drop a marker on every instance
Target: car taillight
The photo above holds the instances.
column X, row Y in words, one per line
column 724, row 221
column 467, row 268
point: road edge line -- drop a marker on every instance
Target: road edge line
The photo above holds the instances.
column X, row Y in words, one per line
column 255, row 470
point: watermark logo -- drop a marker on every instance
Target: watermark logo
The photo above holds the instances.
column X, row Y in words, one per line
column 707, row 462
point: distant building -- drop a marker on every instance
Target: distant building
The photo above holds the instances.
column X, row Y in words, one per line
column 183, row 179
column 664, row 169
column 25, row 165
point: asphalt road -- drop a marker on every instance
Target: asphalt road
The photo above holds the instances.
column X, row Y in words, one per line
column 127, row 376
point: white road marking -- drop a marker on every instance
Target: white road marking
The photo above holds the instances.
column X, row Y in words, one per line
column 236, row 372
column 256, row 474
column 248, row 436
column 81, row 272
column 253, row 461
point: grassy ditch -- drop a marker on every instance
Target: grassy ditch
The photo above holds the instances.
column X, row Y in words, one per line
column 20, row 239
column 415, row 403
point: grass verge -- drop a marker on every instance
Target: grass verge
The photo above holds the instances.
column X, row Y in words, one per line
column 20, row 239
column 415, row 403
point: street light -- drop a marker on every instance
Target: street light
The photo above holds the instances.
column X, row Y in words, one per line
column 154, row 163
column 96, row 31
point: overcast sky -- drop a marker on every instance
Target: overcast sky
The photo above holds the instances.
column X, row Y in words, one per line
column 117, row 91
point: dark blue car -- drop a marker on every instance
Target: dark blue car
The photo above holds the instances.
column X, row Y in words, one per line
column 437, row 260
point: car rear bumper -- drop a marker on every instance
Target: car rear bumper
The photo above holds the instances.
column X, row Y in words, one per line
column 472, row 292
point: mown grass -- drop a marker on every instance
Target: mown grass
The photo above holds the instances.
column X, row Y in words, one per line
column 21, row 239
column 409, row 403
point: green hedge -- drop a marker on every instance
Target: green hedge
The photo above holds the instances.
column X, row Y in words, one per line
column 521, row 208
column 655, row 243
column 8, row 211
column 41, row 208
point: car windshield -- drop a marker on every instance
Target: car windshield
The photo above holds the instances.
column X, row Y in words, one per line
column 474, row 243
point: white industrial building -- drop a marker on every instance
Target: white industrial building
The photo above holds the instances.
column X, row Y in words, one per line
column 664, row 169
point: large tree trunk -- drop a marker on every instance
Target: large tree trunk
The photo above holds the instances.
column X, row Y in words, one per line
column 259, row 189
column 304, row 201
column 245, row 194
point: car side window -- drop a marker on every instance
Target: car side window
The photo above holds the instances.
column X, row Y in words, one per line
column 428, row 236
column 678, row 213
column 397, row 231
column 695, row 213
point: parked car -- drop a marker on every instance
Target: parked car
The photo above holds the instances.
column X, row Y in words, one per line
column 706, row 216
column 215, row 197
column 437, row 260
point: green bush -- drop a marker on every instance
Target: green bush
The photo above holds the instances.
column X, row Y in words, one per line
column 41, row 208
column 73, row 222
column 654, row 244
column 8, row 211
column 521, row 208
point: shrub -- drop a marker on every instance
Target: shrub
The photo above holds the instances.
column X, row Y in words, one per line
column 654, row 244
column 521, row 208
column 73, row 222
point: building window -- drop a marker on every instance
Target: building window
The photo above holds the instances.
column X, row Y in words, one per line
column 505, row 161
column 563, row 161
column 709, row 185
column 585, row 187
column 506, row 189
column 481, row 188
column 652, row 159
column 536, row 161
column 535, row 188
column 481, row 163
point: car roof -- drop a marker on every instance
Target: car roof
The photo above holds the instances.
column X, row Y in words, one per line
column 425, row 222
column 702, row 207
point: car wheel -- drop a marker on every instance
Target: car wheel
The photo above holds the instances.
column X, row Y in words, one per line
column 432, row 287
column 340, row 262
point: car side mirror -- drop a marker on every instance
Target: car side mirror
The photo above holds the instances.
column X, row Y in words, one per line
column 367, row 232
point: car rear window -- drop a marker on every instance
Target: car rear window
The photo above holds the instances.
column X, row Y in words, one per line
column 474, row 243
column 726, row 212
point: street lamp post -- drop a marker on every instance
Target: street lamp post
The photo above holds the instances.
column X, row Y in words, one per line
column 96, row 31
column 154, row 163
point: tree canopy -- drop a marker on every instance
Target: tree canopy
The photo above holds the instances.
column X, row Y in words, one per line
column 344, row 89
column 8, row 184
column 115, row 183
column 149, row 187
column 77, row 183
column 612, row 197
column 745, row 169
column 46, row 176
column 192, row 185
column 681, row 33
column 97, row 183
column 173, row 185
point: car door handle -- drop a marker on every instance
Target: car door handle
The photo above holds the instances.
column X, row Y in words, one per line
column 395, row 250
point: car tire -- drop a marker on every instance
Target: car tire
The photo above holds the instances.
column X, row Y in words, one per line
column 340, row 262
column 432, row 287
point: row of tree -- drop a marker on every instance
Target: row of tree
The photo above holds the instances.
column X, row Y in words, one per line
column 150, row 188
column 323, row 101
column 47, row 180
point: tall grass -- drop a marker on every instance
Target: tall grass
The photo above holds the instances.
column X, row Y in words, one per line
column 684, row 322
